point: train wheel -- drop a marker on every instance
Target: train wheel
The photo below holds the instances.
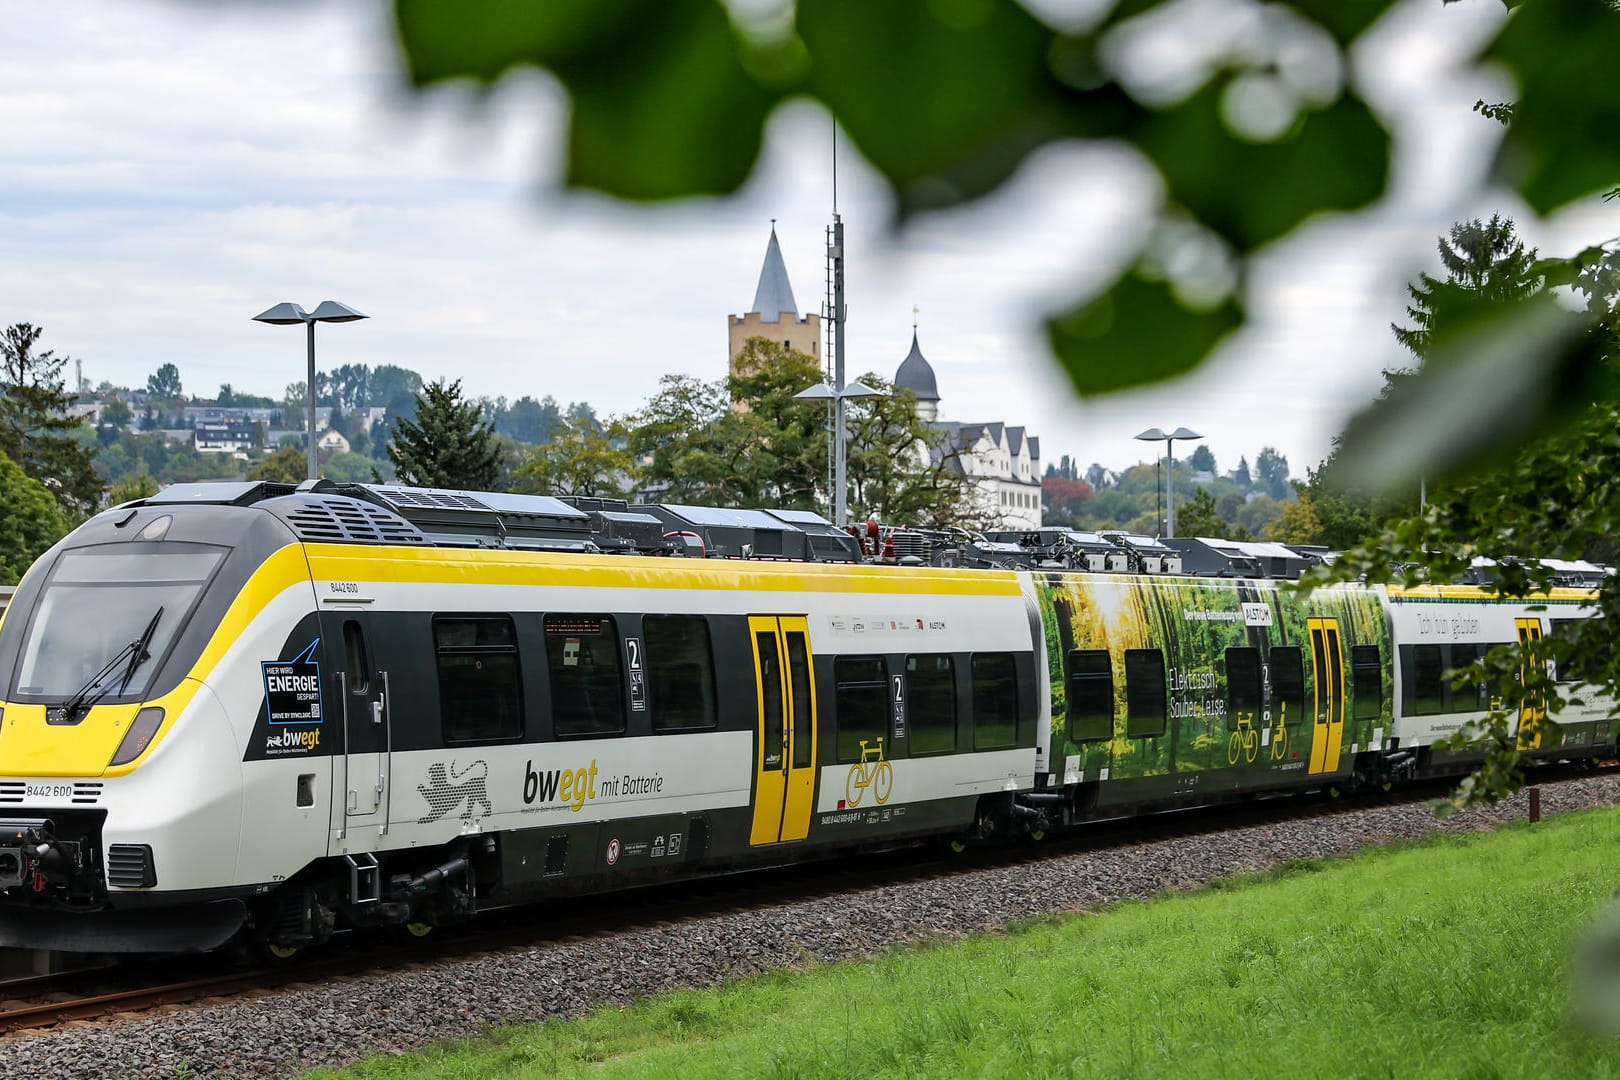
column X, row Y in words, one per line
column 281, row 952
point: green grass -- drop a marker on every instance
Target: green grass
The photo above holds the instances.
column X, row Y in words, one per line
column 1448, row 958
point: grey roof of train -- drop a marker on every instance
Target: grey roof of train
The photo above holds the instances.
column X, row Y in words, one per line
column 774, row 295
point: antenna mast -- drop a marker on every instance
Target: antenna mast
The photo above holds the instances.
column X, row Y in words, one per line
column 832, row 317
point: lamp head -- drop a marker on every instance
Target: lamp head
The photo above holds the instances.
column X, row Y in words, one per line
column 332, row 311
column 283, row 315
column 1154, row 434
column 1184, row 433
column 819, row 392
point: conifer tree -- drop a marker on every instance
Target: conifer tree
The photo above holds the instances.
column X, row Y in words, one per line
column 1486, row 266
column 36, row 427
column 449, row 443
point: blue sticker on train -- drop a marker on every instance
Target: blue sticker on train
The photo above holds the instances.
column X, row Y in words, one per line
column 292, row 688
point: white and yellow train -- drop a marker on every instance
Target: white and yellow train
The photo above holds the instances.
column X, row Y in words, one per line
column 258, row 714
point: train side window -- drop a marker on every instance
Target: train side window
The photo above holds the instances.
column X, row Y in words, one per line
column 1421, row 691
column 1565, row 629
column 358, row 672
column 480, row 696
column 1366, row 682
column 861, row 694
column 1287, row 683
column 931, row 689
column 1091, row 695
column 995, row 701
column 1473, row 698
column 680, row 672
column 1243, row 686
column 1144, row 693
column 587, row 686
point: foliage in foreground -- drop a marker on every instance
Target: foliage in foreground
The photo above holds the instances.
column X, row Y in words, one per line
column 1251, row 135
column 1462, row 946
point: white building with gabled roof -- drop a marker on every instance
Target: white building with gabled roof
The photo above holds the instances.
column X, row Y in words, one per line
column 1001, row 463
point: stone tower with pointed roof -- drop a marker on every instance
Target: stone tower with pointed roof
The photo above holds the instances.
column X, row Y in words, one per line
column 775, row 315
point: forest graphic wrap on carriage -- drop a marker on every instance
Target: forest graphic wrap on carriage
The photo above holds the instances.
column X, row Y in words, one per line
column 1203, row 682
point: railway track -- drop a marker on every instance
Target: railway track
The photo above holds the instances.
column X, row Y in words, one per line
column 44, row 1001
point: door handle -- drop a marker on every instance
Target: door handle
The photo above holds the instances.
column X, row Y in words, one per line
column 377, row 711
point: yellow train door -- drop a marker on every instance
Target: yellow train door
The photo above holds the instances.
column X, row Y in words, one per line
column 785, row 753
column 1532, row 709
column 1327, row 677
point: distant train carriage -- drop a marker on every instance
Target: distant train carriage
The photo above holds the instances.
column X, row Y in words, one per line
column 245, row 712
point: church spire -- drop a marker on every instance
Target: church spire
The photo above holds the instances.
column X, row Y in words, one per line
column 774, row 296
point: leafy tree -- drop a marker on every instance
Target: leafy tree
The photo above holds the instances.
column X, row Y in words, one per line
column 585, row 458
column 1202, row 459
column 137, row 486
column 1258, row 513
column 30, row 521
column 1064, row 495
column 1197, row 515
column 901, row 470
column 742, row 441
column 286, row 466
column 1099, row 477
column 448, row 444
column 528, row 420
column 165, row 383
column 1272, row 470
column 390, row 383
column 35, row 430
column 1298, row 524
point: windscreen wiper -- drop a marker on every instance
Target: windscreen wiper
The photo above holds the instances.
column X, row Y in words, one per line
column 140, row 655
column 133, row 654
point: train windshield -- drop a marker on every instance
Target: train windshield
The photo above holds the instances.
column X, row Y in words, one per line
column 97, row 602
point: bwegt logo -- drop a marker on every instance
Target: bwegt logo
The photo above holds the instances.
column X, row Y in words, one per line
column 571, row 787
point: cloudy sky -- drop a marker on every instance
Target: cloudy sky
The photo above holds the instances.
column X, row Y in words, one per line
column 168, row 170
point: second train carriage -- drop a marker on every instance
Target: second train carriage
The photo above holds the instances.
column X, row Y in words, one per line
column 246, row 710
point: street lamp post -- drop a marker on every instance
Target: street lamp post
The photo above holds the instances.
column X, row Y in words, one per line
column 1154, row 434
column 291, row 315
column 839, row 397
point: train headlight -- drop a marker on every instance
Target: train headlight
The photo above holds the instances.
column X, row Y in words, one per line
column 139, row 735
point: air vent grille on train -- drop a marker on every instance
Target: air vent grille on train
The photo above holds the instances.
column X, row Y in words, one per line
column 345, row 521
column 129, row 866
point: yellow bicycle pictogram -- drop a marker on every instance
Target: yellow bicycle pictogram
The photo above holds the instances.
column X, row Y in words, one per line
column 1245, row 740
column 877, row 775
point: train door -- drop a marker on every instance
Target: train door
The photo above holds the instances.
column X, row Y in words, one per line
column 785, row 753
column 1533, row 708
column 1327, row 677
column 360, row 780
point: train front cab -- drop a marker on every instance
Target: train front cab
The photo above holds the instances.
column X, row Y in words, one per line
column 120, row 794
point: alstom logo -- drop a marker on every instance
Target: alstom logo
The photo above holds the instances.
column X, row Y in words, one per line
column 570, row 787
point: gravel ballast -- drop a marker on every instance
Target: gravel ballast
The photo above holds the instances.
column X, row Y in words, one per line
column 304, row 1027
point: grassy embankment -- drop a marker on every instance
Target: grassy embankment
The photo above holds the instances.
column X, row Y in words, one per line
column 1448, row 958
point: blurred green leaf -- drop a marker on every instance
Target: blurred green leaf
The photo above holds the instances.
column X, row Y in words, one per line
column 1562, row 143
column 1344, row 19
column 662, row 104
column 1137, row 332
column 948, row 97
column 1495, row 383
column 1252, row 193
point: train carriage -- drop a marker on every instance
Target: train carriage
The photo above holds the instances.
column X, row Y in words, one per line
column 249, row 713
